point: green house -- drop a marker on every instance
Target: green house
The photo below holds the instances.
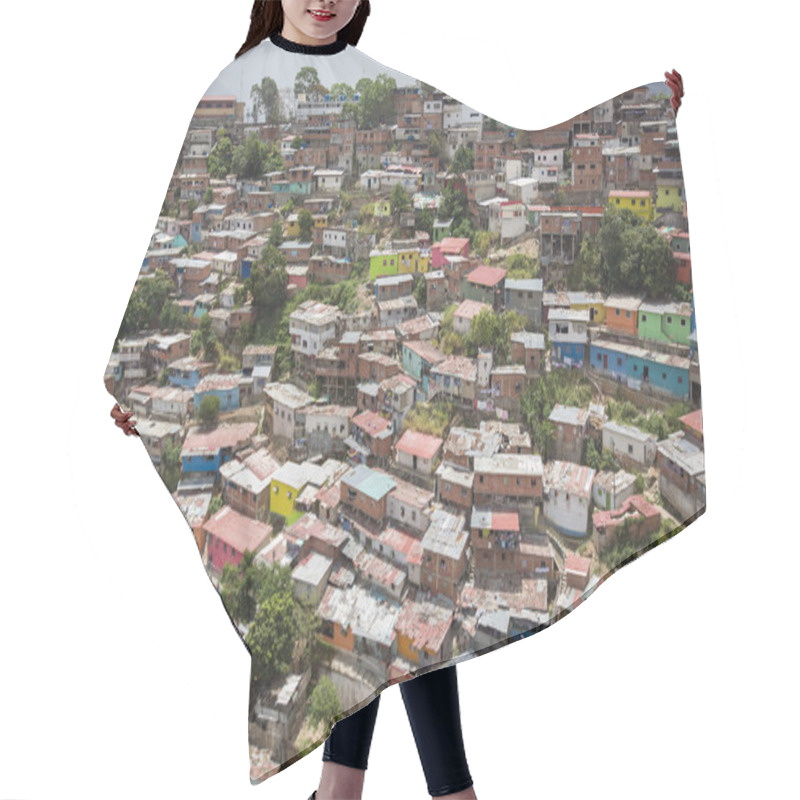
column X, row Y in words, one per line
column 665, row 322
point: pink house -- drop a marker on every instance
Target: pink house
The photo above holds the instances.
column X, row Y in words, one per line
column 229, row 534
column 449, row 246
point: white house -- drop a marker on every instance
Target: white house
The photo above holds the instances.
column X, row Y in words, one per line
column 311, row 326
column 567, row 496
column 632, row 444
column 329, row 180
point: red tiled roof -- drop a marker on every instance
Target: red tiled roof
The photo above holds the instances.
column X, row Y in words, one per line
column 239, row 531
column 579, row 564
column 452, row 244
column 505, row 521
column 486, row 275
column 419, row 444
column 694, row 420
column 371, row 422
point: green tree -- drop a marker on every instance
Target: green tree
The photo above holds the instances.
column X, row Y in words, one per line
column 276, row 234
column 146, row 304
column 306, row 223
column 271, row 638
column 399, row 201
column 437, row 145
column 208, row 413
column 491, row 331
column 340, row 90
column 424, row 221
column 208, row 339
column 307, row 82
column 591, row 456
column 172, row 318
column 240, row 586
column 220, row 159
column 266, row 100
column 420, row 291
column 170, row 466
column 325, row 705
column 520, row 266
column 376, row 105
column 632, row 256
column 455, row 204
column 253, row 158
column 463, row 160
column 482, row 242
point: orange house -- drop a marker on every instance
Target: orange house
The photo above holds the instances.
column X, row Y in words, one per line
column 683, row 263
column 622, row 313
column 425, row 632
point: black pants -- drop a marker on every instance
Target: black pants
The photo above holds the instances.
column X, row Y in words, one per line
column 432, row 706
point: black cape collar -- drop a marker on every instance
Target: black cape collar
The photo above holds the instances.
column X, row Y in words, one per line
column 310, row 49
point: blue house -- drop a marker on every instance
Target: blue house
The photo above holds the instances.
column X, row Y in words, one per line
column 609, row 359
column 639, row 368
column 186, row 373
column 418, row 359
column 225, row 387
column 665, row 373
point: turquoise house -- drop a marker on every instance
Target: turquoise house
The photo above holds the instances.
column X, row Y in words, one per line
column 419, row 357
column 639, row 368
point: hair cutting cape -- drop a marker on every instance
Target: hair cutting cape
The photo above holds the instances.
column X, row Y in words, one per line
column 418, row 381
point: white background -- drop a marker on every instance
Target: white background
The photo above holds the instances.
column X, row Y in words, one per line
column 121, row 674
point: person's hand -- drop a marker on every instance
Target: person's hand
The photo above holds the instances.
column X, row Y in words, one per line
column 123, row 420
column 675, row 82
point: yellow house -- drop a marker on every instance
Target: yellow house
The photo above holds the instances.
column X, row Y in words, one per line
column 668, row 193
column 382, row 208
column 286, row 485
column 293, row 226
column 394, row 262
column 413, row 260
column 638, row 201
column 593, row 302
